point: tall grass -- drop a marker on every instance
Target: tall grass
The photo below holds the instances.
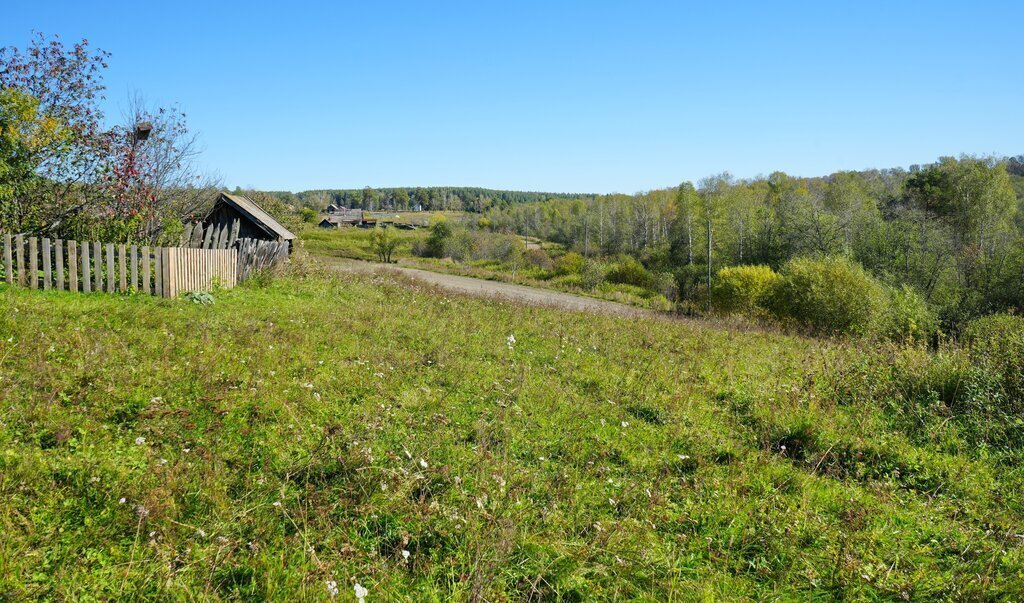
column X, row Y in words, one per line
column 366, row 430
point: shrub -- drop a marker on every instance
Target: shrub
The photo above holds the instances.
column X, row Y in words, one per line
column 629, row 271
column 592, row 275
column 996, row 343
column 540, row 259
column 830, row 296
column 437, row 243
column 908, row 317
column 571, row 263
column 742, row 289
column 665, row 284
column 498, row 247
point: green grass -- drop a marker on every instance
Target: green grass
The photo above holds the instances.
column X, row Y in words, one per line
column 354, row 243
column 313, row 430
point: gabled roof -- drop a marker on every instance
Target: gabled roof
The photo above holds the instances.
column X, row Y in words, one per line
column 257, row 214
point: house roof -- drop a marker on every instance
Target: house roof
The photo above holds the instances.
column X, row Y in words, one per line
column 257, row 214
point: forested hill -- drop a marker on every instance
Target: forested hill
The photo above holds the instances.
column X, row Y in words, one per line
column 480, row 200
column 451, row 198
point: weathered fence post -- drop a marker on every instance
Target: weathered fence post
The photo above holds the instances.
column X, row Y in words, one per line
column 19, row 254
column 122, row 268
column 134, row 255
column 47, row 261
column 158, row 272
column 73, row 266
column 86, row 264
column 147, row 282
column 33, row 263
column 59, row 264
column 97, row 262
column 110, row 267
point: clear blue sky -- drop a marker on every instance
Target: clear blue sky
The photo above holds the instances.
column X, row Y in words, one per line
column 558, row 96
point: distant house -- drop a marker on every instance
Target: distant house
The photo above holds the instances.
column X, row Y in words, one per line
column 342, row 217
column 254, row 221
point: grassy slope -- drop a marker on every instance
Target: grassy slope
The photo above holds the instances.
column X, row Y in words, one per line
column 599, row 458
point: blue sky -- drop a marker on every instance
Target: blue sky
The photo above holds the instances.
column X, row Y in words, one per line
column 558, row 96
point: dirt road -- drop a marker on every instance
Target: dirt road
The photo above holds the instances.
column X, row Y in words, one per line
column 494, row 289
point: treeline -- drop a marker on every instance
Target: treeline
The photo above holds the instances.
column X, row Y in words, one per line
column 461, row 198
column 953, row 231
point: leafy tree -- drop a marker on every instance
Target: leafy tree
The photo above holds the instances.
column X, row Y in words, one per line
column 384, row 243
column 51, row 129
column 441, row 232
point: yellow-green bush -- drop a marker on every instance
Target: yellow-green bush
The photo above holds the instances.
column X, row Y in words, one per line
column 908, row 317
column 996, row 343
column 742, row 289
column 830, row 296
column 629, row 271
column 571, row 263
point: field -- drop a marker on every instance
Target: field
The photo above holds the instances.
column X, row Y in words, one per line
column 326, row 431
column 354, row 243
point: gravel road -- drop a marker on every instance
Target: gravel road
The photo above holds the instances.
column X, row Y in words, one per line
column 493, row 289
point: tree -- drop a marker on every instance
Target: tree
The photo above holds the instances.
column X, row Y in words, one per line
column 713, row 190
column 58, row 134
column 384, row 243
column 156, row 183
column 687, row 202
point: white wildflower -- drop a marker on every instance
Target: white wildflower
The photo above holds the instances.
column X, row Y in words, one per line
column 423, row 463
column 139, row 441
column 360, row 592
column 277, row 503
column 332, row 588
column 122, row 500
column 511, row 341
column 625, row 424
column 405, row 554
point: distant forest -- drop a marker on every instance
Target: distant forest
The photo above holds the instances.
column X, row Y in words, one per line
column 432, row 198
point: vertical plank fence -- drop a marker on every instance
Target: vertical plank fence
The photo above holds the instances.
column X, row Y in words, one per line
column 96, row 267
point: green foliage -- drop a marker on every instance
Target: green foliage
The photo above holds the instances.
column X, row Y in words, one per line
column 570, row 263
column 743, row 289
column 629, row 271
column 997, row 344
column 384, row 243
column 201, row 298
column 309, row 215
column 437, row 244
column 540, row 259
column 830, row 296
column 907, row 317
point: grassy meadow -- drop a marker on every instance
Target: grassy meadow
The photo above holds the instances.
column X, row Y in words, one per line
column 294, row 440
column 354, row 243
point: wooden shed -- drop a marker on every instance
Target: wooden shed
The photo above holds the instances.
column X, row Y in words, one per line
column 254, row 221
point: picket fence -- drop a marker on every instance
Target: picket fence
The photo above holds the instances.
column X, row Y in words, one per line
column 91, row 266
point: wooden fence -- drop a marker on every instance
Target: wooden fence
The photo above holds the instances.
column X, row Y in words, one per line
column 90, row 266
column 197, row 236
